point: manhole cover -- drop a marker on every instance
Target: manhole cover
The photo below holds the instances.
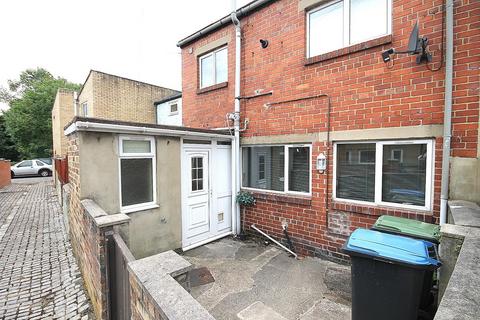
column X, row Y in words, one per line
column 200, row 276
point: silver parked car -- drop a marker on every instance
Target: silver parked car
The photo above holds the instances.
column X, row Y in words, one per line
column 32, row 167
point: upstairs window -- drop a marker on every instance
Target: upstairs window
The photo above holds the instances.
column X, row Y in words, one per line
column 85, row 109
column 173, row 108
column 213, row 68
column 339, row 24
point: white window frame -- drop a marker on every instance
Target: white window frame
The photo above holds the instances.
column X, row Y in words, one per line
column 349, row 157
column 392, row 155
column 214, row 54
column 360, row 157
column 128, row 155
column 262, row 168
column 85, row 108
column 346, row 24
column 170, row 104
column 285, row 173
column 378, row 174
column 204, row 160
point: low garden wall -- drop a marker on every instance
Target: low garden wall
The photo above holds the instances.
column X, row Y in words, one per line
column 159, row 287
column 89, row 228
column 459, row 295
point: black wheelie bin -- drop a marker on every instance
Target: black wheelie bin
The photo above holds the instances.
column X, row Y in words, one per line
column 388, row 274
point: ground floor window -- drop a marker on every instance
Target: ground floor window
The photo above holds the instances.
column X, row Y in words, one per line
column 282, row 168
column 385, row 172
column 137, row 172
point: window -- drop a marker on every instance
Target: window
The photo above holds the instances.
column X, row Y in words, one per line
column 397, row 173
column 342, row 23
column 26, row 163
column 277, row 168
column 396, row 155
column 261, row 167
column 137, row 173
column 85, row 109
column 366, row 156
column 213, row 68
column 39, row 163
column 173, row 108
column 197, row 174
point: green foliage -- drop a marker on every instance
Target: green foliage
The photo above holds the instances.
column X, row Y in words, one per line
column 7, row 147
column 28, row 121
column 245, row 198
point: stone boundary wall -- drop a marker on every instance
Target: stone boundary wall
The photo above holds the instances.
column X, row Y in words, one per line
column 460, row 274
column 89, row 228
column 5, row 176
column 159, row 288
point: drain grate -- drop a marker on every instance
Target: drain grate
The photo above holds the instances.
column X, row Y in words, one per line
column 200, row 276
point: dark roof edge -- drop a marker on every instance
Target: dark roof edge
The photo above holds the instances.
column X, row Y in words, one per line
column 144, row 125
column 169, row 98
column 242, row 12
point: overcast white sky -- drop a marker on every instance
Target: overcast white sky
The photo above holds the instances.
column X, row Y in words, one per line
column 135, row 39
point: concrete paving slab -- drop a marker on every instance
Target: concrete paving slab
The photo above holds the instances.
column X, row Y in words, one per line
column 259, row 311
column 249, row 276
column 327, row 309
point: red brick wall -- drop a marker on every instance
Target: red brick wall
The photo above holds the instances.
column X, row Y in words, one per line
column 5, row 175
column 365, row 93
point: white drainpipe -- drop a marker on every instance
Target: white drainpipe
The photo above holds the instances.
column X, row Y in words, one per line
column 236, row 118
column 75, row 103
column 447, row 118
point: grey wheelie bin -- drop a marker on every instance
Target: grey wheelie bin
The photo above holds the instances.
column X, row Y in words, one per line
column 388, row 274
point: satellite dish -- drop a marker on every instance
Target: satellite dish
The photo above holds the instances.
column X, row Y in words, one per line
column 416, row 46
column 413, row 41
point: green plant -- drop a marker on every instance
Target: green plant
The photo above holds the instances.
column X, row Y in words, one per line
column 245, row 199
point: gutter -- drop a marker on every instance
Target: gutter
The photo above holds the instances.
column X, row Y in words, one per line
column 115, row 128
column 240, row 13
column 447, row 116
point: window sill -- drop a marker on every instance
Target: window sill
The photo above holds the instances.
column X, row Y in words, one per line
column 212, row 88
column 286, row 198
column 378, row 210
column 139, row 208
column 348, row 50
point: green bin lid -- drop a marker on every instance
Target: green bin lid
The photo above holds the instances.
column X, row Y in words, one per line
column 408, row 227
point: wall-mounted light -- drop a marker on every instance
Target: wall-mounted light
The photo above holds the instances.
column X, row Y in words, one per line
column 386, row 55
column 264, row 43
column 321, row 162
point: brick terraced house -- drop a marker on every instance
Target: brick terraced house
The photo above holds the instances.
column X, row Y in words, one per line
column 331, row 135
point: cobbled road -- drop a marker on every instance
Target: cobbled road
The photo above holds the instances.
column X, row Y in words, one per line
column 39, row 277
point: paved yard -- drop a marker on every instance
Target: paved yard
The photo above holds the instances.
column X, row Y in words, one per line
column 39, row 278
column 258, row 282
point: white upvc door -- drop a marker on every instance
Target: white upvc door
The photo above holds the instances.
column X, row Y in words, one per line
column 206, row 193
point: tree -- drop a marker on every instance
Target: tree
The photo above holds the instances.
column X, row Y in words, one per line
column 7, row 147
column 28, row 120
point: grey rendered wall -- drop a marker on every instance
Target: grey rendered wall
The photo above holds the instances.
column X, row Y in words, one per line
column 150, row 231
column 465, row 179
column 160, row 229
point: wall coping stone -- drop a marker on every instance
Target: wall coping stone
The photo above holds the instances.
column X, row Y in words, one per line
column 465, row 213
column 101, row 218
column 461, row 299
column 155, row 274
